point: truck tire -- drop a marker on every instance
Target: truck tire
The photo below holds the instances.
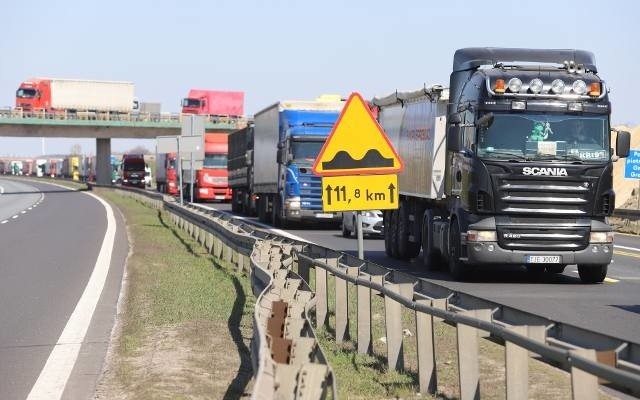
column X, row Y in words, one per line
column 457, row 268
column 406, row 249
column 386, row 220
column 592, row 273
column 262, row 209
column 430, row 257
column 234, row 201
column 345, row 232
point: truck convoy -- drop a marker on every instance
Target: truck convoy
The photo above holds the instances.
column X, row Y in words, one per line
column 509, row 165
column 289, row 135
column 133, row 170
column 75, row 96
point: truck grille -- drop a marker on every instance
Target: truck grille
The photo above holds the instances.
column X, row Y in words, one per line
column 310, row 190
column 569, row 238
column 543, row 197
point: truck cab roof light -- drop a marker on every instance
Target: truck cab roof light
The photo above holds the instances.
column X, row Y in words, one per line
column 594, row 90
column 579, row 87
column 557, row 86
column 535, row 86
column 574, row 107
column 514, row 85
column 499, row 86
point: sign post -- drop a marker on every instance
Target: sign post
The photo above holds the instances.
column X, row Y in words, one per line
column 632, row 170
column 358, row 165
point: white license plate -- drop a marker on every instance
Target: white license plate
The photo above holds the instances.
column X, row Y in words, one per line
column 542, row 259
column 219, row 197
column 320, row 215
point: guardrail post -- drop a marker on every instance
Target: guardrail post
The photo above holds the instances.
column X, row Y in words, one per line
column 342, row 305
column 393, row 325
column 304, row 265
column 321, row 294
column 426, row 351
column 517, row 367
column 365, row 295
column 584, row 386
column 210, row 240
column 468, row 360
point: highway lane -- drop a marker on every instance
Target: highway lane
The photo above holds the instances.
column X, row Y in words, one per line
column 16, row 197
column 47, row 256
column 611, row 308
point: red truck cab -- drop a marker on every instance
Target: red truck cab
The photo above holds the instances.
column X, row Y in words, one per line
column 213, row 102
column 212, row 181
column 133, row 170
column 34, row 94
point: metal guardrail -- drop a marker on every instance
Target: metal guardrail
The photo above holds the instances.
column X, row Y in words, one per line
column 289, row 364
column 169, row 119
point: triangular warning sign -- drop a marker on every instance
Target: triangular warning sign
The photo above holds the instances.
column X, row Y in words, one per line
column 357, row 145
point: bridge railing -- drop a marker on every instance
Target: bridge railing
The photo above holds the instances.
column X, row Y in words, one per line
column 160, row 118
column 288, row 362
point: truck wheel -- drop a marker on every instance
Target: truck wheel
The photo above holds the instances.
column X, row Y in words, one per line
column 345, row 232
column 234, row 202
column 262, row 209
column 457, row 268
column 592, row 273
column 430, row 258
column 386, row 220
column 406, row 249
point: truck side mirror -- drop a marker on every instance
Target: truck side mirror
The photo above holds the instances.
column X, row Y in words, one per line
column 623, row 144
column 454, row 138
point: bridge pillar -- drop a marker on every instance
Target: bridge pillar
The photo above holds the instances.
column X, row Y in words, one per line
column 103, row 161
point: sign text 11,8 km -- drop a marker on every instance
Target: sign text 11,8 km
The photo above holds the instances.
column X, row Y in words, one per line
column 360, row 192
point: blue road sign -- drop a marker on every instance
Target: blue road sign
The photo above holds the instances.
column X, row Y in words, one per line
column 632, row 165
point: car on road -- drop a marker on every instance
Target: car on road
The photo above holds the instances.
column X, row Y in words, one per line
column 372, row 224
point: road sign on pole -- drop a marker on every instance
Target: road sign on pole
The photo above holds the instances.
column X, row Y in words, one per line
column 358, row 165
column 632, row 165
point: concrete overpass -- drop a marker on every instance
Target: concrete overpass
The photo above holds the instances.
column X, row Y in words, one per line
column 104, row 127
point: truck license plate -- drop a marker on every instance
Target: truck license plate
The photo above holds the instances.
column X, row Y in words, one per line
column 542, row 259
column 324, row 215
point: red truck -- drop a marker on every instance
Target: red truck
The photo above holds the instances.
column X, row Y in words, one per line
column 167, row 173
column 133, row 170
column 214, row 102
column 211, row 182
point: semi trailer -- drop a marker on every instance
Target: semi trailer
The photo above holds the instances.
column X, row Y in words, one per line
column 511, row 164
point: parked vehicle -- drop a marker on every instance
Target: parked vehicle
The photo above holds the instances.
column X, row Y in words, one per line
column 372, row 223
column 289, row 136
column 75, row 96
column 16, row 167
column 214, row 102
column 132, row 170
column 147, row 175
column 40, row 165
column 116, row 176
column 510, row 165
column 166, row 173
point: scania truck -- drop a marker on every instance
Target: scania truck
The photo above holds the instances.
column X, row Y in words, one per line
column 510, row 165
column 287, row 137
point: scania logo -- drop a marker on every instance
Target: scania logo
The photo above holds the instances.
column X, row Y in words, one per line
column 511, row 235
column 544, row 171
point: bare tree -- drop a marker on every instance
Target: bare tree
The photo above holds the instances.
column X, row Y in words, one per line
column 76, row 149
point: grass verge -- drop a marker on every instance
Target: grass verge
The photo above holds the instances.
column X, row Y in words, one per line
column 186, row 320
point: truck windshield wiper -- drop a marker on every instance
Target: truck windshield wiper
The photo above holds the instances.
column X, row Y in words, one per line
column 566, row 157
column 517, row 157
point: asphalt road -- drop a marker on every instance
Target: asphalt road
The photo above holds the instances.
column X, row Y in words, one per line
column 47, row 254
column 611, row 308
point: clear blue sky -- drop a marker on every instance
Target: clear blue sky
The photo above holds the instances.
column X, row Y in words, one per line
column 275, row 50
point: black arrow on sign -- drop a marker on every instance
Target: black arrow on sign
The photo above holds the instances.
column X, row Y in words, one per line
column 328, row 190
column 391, row 190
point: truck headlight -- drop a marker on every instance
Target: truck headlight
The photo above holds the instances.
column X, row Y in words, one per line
column 601, row 237
column 481, row 236
column 292, row 203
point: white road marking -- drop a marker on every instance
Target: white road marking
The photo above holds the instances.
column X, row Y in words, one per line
column 55, row 374
column 626, row 247
column 4, row 222
column 23, row 212
column 14, row 217
column 1, row 190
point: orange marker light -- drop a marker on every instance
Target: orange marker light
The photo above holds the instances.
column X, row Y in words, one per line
column 594, row 90
column 499, row 86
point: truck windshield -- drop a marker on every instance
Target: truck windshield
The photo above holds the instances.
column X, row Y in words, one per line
column 26, row 93
column 191, row 103
column 305, row 152
column 212, row 160
column 133, row 166
column 545, row 137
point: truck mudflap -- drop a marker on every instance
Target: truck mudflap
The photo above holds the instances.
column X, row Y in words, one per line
column 492, row 253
